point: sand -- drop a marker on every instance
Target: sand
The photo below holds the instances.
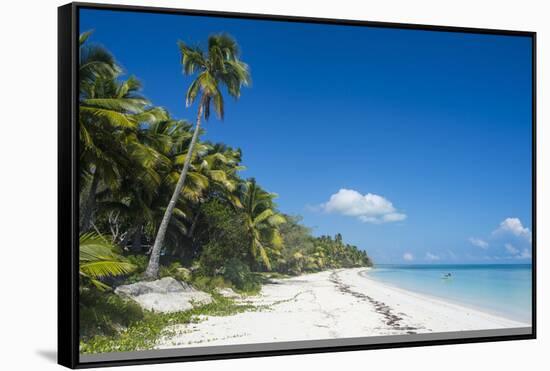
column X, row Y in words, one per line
column 332, row 304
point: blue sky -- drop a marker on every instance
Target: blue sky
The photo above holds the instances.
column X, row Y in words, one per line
column 415, row 145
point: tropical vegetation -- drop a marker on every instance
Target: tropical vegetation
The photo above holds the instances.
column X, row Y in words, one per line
column 156, row 200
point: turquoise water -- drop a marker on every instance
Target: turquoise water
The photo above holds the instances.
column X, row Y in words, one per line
column 503, row 289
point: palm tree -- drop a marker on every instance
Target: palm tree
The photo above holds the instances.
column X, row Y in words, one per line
column 99, row 258
column 219, row 67
column 219, row 164
column 143, row 193
column 142, row 187
column 94, row 61
column 262, row 222
column 109, row 116
column 110, row 113
column 171, row 139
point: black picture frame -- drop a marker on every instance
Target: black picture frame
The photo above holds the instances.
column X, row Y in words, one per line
column 68, row 316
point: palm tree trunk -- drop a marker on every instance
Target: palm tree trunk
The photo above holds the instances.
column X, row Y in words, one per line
column 252, row 258
column 89, row 206
column 153, row 268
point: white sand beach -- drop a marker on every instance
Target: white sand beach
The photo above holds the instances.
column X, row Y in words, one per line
column 333, row 304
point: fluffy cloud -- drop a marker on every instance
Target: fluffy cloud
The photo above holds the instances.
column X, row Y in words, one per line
column 513, row 226
column 408, row 256
column 517, row 254
column 369, row 208
column 478, row 242
column 510, row 234
column 432, row 257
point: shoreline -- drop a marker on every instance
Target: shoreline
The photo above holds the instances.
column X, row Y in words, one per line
column 331, row 304
column 435, row 297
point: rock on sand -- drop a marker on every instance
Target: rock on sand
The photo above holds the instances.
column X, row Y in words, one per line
column 166, row 295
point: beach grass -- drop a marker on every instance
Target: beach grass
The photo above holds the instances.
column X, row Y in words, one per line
column 143, row 334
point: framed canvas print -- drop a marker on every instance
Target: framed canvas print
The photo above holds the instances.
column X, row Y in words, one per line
column 236, row 185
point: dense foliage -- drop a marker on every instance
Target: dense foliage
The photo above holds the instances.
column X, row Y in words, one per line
column 156, row 200
column 305, row 253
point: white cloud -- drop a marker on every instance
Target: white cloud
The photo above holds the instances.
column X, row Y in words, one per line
column 394, row 217
column 430, row 256
column 369, row 208
column 524, row 254
column 513, row 235
column 511, row 249
column 478, row 242
column 515, row 227
column 408, row 256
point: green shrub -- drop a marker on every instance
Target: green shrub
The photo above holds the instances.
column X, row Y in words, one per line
column 212, row 258
column 175, row 270
column 103, row 313
column 239, row 274
column 143, row 334
column 209, row 284
column 220, row 234
column 140, row 261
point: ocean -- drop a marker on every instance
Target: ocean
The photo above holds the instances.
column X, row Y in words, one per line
column 501, row 289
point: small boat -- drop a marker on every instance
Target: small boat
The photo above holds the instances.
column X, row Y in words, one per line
column 447, row 276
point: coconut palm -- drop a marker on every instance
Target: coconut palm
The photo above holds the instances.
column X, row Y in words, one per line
column 110, row 112
column 145, row 186
column 94, row 61
column 213, row 170
column 171, row 138
column 142, row 202
column 219, row 67
column 262, row 222
column 220, row 164
column 99, row 258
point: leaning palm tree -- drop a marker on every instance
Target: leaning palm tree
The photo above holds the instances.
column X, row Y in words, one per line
column 219, row 67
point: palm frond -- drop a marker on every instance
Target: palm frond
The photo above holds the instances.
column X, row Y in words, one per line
column 263, row 216
column 110, row 117
column 84, row 36
column 99, row 258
